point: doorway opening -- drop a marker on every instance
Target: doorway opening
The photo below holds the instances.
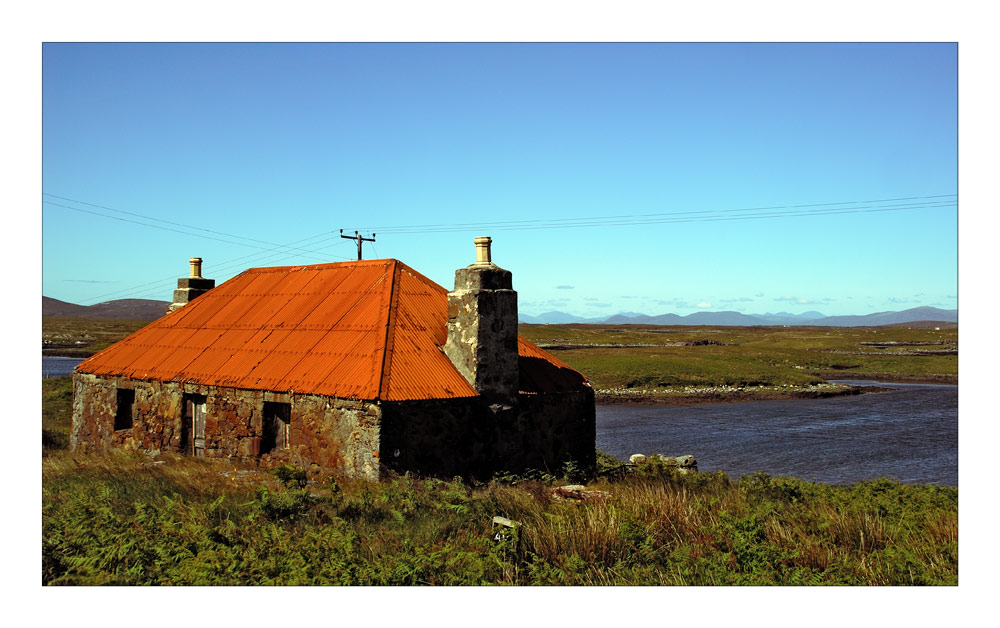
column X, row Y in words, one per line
column 275, row 427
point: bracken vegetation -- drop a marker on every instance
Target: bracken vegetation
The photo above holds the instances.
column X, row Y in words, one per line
column 130, row 519
column 124, row 519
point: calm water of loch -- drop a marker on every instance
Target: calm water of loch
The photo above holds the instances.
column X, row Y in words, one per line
column 53, row 366
column 909, row 433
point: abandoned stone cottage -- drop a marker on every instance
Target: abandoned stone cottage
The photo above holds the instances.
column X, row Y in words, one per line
column 354, row 367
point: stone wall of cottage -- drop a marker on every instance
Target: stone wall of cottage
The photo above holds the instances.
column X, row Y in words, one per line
column 467, row 437
column 327, row 434
column 445, row 438
column 549, row 430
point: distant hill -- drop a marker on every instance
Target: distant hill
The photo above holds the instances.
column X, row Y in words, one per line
column 556, row 318
column 928, row 316
column 891, row 318
column 786, row 318
column 132, row 309
column 925, row 324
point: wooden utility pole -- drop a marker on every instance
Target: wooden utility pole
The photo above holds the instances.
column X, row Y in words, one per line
column 357, row 238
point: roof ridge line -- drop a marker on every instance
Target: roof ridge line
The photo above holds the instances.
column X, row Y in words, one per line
column 360, row 262
column 390, row 332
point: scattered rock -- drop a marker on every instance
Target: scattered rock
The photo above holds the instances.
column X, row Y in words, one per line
column 684, row 463
column 579, row 492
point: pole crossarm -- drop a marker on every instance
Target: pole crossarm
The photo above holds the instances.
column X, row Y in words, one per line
column 357, row 237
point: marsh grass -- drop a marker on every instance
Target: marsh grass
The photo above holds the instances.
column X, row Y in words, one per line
column 648, row 356
column 57, row 413
column 92, row 334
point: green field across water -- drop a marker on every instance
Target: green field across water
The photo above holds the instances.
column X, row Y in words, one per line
column 681, row 362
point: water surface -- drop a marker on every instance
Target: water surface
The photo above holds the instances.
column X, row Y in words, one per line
column 909, row 433
column 54, row 366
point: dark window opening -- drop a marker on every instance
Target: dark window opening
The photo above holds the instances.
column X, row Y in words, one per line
column 276, row 427
column 123, row 413
column 193, row 425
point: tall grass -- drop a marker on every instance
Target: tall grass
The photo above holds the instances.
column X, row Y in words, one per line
column 124, row 520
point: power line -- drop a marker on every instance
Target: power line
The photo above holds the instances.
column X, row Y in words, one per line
column 165, row 287
column 833, row 211
column 749, row 213
column 215, row 267
column 168, row 222
column 652, row 218
column 219, row 270
column 221, row 267
column 230, row 235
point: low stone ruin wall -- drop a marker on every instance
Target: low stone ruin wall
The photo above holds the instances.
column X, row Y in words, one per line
column 467, row 437
column 445, row 438
column 334, row 434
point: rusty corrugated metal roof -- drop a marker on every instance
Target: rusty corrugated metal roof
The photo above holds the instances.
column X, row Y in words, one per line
column 364, row 330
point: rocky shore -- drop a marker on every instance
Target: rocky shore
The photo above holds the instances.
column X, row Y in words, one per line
column 690, row 395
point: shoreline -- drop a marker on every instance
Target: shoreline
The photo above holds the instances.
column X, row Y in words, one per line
column 822, row 391
column 63, row 352
column 948, row 380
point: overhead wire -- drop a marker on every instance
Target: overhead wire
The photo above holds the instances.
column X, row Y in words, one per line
column 178, row 224
column 221, row 271
column 730, row 214
column 659, row 218
column 214, row 267
column 270, row 245
column 263, row 254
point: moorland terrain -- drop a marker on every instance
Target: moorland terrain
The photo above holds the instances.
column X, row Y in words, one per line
column 684, row 364
column 134, row 519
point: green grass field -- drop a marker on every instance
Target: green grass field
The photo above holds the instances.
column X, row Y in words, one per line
column 127, row 519
column 85, row 336
column 763, row 361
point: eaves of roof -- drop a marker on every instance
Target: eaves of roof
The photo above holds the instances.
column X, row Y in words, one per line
column 364, row 330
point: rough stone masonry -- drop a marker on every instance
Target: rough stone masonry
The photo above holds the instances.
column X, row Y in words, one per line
column 530, row 412
column 482, row 327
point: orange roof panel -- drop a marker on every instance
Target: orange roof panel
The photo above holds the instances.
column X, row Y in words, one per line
column 365, row 330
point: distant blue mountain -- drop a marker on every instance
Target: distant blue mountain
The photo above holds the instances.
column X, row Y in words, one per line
column 891, row 318
column 737, row 319
column 556, row 318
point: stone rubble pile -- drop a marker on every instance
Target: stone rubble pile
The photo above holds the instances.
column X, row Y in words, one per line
column 684, row 464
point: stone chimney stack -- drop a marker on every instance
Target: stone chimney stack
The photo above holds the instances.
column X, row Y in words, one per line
column 482, row 327
column 188, row 288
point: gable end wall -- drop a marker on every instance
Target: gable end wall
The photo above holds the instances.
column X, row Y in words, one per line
column 470, row 438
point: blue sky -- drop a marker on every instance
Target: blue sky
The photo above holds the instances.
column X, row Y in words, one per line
column 536, row 145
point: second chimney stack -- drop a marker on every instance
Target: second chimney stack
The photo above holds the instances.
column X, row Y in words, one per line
column 188, row 288
column 482, row 327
